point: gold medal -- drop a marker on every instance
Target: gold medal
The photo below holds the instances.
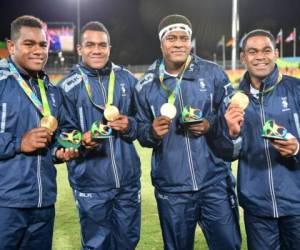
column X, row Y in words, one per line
column 168, row 110
column 240, row 99
column 49, row 122
column 111, row 112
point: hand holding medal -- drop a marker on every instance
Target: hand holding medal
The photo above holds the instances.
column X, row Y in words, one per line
column 234, row 115
column 240, row 99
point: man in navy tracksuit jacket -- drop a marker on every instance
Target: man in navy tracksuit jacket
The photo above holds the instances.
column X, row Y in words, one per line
column 106, row 178
column 27, row 172
column 269, row 169
column 192, row 185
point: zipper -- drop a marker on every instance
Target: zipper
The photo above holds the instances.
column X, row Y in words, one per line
column 111, row 145
column 269, row 162
column 39, row 158
column 188, row 147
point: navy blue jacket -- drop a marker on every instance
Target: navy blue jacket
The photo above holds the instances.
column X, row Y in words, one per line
column 114, row 163
column 27, row 180
column 268, row 184
column 182, row 162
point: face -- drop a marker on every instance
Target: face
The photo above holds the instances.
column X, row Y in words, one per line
column 30, row 50
column 94, row 49
column 176, row 47
column 259, row 57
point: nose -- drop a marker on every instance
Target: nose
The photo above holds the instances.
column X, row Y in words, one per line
column 260, row 55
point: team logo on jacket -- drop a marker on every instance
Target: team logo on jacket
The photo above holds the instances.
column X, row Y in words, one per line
column 284, row 104
column 123, row 89
column 53, row 99
column 202, row 85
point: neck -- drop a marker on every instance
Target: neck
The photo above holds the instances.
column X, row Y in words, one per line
column 30, row 73
column 173, row 68
column 255, row 82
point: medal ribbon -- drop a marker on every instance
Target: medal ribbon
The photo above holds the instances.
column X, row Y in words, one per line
column 172, row 94
column 43, row 107
column 279, row 78
column 110, row 92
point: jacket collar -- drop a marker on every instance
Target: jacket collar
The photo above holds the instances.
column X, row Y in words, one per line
column 268, row 82
column 93, row 72
column 189, row 73
column 42, row 74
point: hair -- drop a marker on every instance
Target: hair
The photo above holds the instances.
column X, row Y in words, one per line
column 24, row 21
column 94, row 26
column 171, row 19
column 258, row 32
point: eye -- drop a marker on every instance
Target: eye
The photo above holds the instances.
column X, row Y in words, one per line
column 185, row 39
column 103, row 45
column 170, row 38
column 268, row 51
column 252, row 52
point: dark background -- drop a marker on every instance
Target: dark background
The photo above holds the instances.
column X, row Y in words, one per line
column 133, row 23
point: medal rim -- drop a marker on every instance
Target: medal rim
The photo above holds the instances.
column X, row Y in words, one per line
column 52, row 125
column 106, row 113
column 240, row 100
column 167, row 104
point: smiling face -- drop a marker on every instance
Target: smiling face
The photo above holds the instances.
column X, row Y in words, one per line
column 260, row 57
column 94, row 49
column 29, row 51
column 176, row 47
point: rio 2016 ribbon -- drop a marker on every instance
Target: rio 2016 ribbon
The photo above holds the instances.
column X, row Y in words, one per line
column 48, row 120
column 172, row 94
column 111, row 86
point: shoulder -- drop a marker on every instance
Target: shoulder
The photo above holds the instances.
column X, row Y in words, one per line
column 148, row 77
column 4, row 70
column 70, row 81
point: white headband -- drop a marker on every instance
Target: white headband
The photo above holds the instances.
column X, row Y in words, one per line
column 174, row 27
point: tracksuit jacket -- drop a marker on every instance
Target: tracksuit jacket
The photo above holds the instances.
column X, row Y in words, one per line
column 268, row 184
column 27, row 180
column 114, row 163
column 182, row 162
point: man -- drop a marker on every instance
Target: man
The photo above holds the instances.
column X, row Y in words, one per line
column 269, row 169
column 106, row 178
column 191, row 184
column 28, row 101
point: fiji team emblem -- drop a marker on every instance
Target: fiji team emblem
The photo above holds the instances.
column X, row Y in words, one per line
column 284, row 104
column 202, row 85
column 123, row 89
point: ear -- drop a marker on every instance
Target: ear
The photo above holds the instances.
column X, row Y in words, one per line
column 11, row 47
column 78, row 47
column 242, row 57
column 276, row 53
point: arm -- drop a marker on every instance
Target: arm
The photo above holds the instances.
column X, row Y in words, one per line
column 224, row 134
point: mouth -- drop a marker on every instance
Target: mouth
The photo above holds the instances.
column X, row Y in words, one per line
column 260, row 65
column 178, row 53
column 37, row 60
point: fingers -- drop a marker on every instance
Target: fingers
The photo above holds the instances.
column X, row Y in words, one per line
column 88, row 142
column 161, row 126
column 119, row 124
column 67, row 154
column 285, row 148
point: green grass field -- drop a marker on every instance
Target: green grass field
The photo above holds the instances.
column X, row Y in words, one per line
column 66, row 231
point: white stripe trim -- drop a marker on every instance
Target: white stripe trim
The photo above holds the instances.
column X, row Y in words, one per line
column 296, row 119
column 80, row 110
column 3, row 118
